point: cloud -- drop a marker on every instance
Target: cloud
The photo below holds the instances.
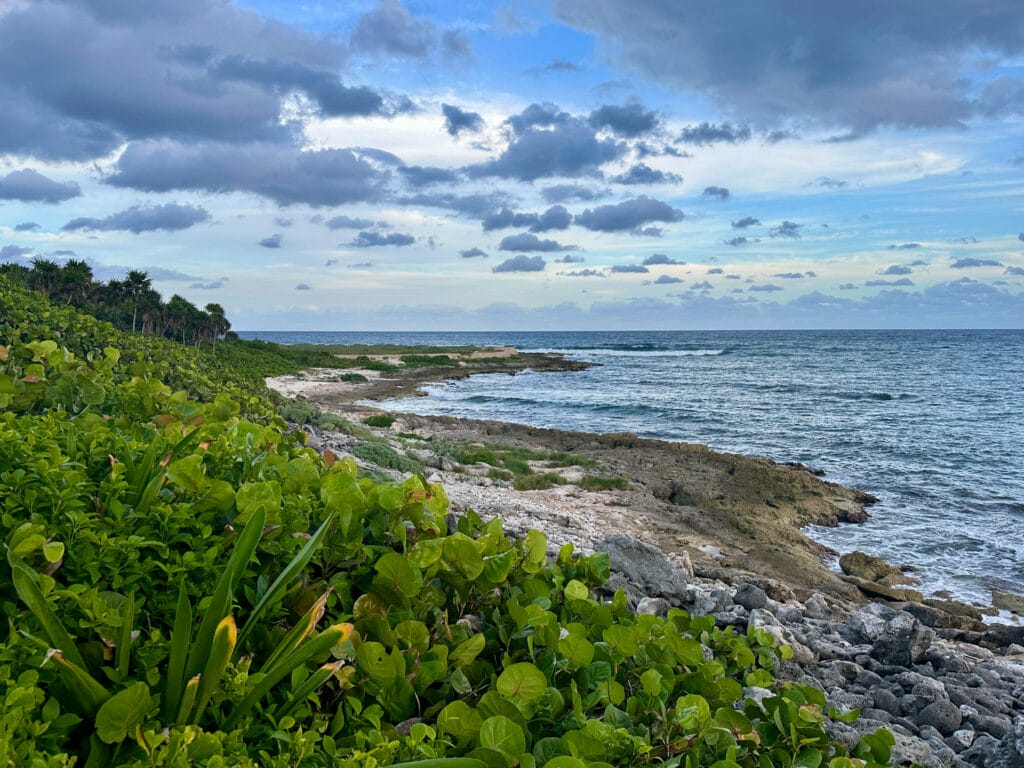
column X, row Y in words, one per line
column 567, row 193
column 667, row 280
column 473, row 253
column 169, row 217
column 896, row 269
column 629, row 269
column 13, row 252
column 716, row 271
column 766, row 288
column 570, row 148
column 286, row 175
column 425, row 176
column 546, row 115
column 641, row 173
column 347, row 222
column 660, row 259
column 904, row 246
column 720, row 193
column 704, row 285
column 374, row 239
column 736, row 242
column 274, row 241
column 829, row 183
column 972, row 262
column 746, row 221
column 283, row 222
column 787, row 229
column 331, row 262
column 303, row 287
column 475, row 206
column 529, row 243
column 903, row 281
column 1021, row 237
column 390, row 30
column 360, row 265
column 585, row 273
column 733, row 277
column 458, row 120
column 555, row 217
column 1016, row 271
column 210, row 286
column 628, row 216
column 570, row 259
column 789, row 275
column 780, row 61
column 557, row 65
column 630, row 120
column 27, row 226
column 521, row 263
column 30, row 186
column 711, row 133
column 847, row 287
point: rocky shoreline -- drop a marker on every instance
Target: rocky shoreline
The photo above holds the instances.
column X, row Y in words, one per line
column 718, row 534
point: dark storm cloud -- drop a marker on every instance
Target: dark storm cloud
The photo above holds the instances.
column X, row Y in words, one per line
column 348, row 222
column 325, row 177
column 971, row 262
column 902, row 282
column 787, row 229
column 829, row 183
column 746, row 221
column 274, row 241
column 30, row 186
column 567, row 193
column 390, row 30
column 711, row 133
column 667, row 280
column 521, row 263
column 629, row 215
column 569, row 149
column 528, row 242
column 169, row 217
column 77, row 78
column 546, row 115
column 780, row 60
column 629, row 269
column 554, row 218
column 473, row 253
column 642, row 173
column 630, row 120
column 896, row 269
column 474, row 206
column 27, row 226
column 426, row 176
column 660, row 259
column 719, row 193
column 13, row 252
column 766, row 288
column 904, row 246
column 375, row 239
column 458, row 120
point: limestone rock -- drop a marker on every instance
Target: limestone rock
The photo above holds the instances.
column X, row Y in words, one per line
column 1008, row 601
column 903, row 641
column 644, row 566
column 865, row 566
column 942, row 715
column 750, row 597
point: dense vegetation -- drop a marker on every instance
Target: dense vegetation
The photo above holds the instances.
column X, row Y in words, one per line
column 185, row 583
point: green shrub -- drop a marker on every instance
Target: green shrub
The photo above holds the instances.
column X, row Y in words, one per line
column 352, row 377
column 380, row 420
column 384, row 455
column 599, row 483
column 539, row 482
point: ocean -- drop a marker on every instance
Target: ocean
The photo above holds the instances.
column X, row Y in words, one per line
column 931, row 422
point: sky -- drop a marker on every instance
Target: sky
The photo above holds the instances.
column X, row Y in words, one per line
column 538, row 165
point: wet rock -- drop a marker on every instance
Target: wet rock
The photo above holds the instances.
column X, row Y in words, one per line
column 942, row 715
column 1008, row 601
column 939, row 618
column 750, row 597
column 903, row 641
column 653, row 606
column 644, row 566
column 865, row 566
column 876, row 589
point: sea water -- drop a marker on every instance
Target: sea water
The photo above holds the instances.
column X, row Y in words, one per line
column 931, row 422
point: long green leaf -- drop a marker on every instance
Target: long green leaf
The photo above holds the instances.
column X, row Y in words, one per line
column 28, row 590
column 220, row 605
column 444, row 762
column 88, row 693
column 220, row 656
column 319, row 644
column 187, row 701
column 303, row 628
column 181, row 637
column 294, row 568
column 124, row 643
column 308, row 686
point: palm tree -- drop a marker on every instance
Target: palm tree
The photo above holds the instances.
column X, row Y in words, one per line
column 45, row 276
column 218, row 321
column 76, row 281
column 137, row 284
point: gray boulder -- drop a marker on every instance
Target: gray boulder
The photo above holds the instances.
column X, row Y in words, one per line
column 943, row 716
column 645, row 567
column 750, row 597
column 903, row 641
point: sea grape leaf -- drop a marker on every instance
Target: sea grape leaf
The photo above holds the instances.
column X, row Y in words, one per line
column 460, row 720
column 522, row 683
column 395, row 572
column 463, row 554
column 263, row 495
column 122, row 712
column 501, row 734
column 467, row 650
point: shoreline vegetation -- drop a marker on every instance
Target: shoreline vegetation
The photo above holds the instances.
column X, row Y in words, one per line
column 199, row 571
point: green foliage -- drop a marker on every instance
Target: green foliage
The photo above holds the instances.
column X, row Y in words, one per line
column 539, row 482
column 601, row 483
column 186, row 584
column 352, row 377
column 384, row 455
column 425, row 361
column 380, row 420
